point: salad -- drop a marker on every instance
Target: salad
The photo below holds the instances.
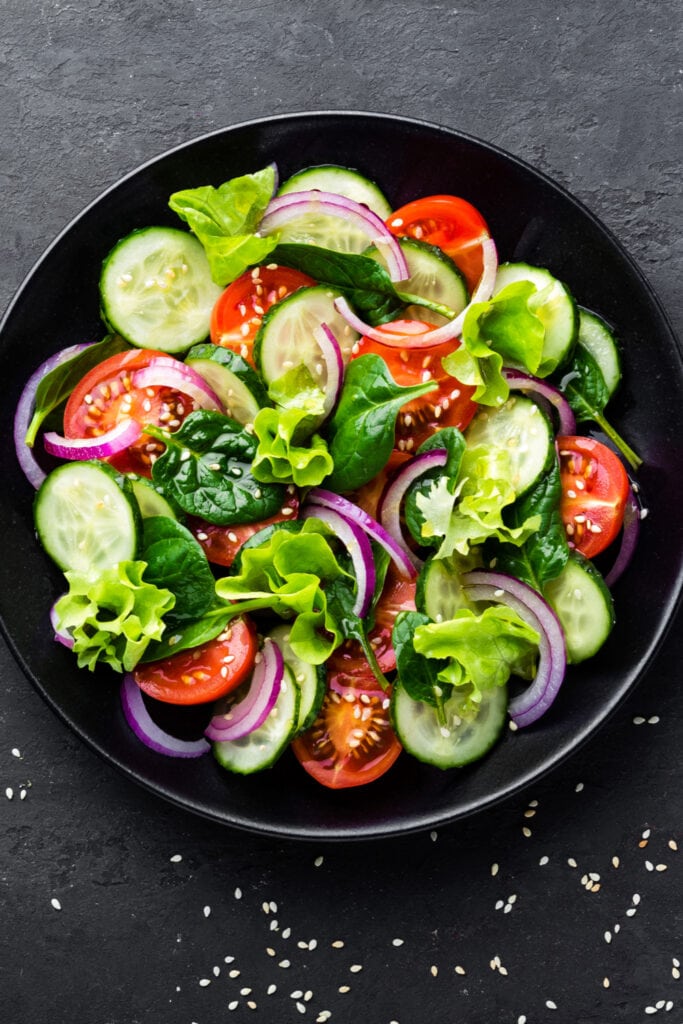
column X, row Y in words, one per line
column 322, row 479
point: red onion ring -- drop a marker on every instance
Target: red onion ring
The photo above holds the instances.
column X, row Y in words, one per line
column 61, row 635
column 146, row 729
column 24, row 413
column 390, row 507
column 334, row 365
column 629, row 538
column 519, row 381
column 285, row 208
column 159, row 373
column 101, row 447
column 248, row 714
column 328, row 499
column 537, row 613
column 438, row 335
column 359, row 548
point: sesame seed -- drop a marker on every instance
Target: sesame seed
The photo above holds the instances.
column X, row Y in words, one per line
column 638, row 720
column 344, row 988
column 550, row 1004
column 397, row 942
column 433, row 836
column 459, row 970
column 650, row 1009
column 318, row 861
column 284, row 963
column 207, row 911
column 630, row 912
column 355, row 968
column 608, row 936
column 9, row 793
column 234, row 974
column 673, row 845
column 15, row 752
column 578, row 787
column 233, row 1005
column 675, row 973
column 56, row 905
column 521, row 1019
column 337, row 944
column 649, row 865
column 494, row 870
column 660, row 867
column 271, row 990
column 653, row 720
column 203, row 982
column 605, row 982
column 615, row 862
column 572, row 863
column 526, row 831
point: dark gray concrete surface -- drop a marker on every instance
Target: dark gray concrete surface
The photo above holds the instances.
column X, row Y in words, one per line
column 591, row 94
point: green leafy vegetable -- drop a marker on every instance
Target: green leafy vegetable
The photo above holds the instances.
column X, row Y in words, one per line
column 340, row 598
column 225, row 221
column 279, row 460
column 206, row 469
column 482, row 651
column 472, row 511
column 586, row 391
column 57, row 385
column 362, row 428
column 177, row 561
column 419, row 675
column 451, row 440
column 504, row 330
column 544, row 554
column 113, row 618
column 297, row 389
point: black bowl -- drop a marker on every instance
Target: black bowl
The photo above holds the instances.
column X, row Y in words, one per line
column 531, row 219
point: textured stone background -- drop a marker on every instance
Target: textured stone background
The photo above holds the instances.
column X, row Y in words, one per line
column 591, row 94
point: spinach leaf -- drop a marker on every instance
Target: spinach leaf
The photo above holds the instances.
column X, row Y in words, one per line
column 544, row 554
column 340, row 600
column 186, row 635
column 450, row 439
column 585, row 389
column 419, row 675
column 176, row 560
column 206, row 469
column 362, row 428
column 57, row 385
column 363, row 281
column 225, row 221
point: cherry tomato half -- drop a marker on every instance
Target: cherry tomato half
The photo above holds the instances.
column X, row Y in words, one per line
column 450, row 405
column 106, row 395
column 237, row 314
column 452, row 223
column 222, row 543
column 397, row 596
column 203, row 673
column 594, row 492
column 352, row 741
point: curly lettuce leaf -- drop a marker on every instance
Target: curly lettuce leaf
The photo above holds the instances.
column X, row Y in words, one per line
column 470, row 513
column 503, row 331
column 113, row 618
column 279, row 459
column 225, row 220
column 481, row 651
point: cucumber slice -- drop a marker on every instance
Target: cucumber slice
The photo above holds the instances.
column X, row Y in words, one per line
column 262, row 747
column 583, row 605
column 151, row 501
column 344, row 182
column 285, row 338
column 438, row 593
column 156, row 289
column 521, row 428
column 598, row 338
column 456, row 741
column 310, row 679
column 237, row 385
column 555, row 307
column 433, row 276
column 85, row 521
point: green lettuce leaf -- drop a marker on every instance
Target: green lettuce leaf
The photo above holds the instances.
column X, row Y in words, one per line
column 503, row 331
column 279, row 460
column 482, row 651
column 113, row 618
column 225, row 220
column 468, row 514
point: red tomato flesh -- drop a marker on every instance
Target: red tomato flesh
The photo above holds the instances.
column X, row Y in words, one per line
column 594, row 492
column 449, row 405
column 106, row 395
column 203, row 673
column 352, row 741
column 452, row 223
column 238, row 313
column 222, row 543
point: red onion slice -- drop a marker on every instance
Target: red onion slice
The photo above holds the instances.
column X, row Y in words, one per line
column 101, row 447
column 248, row 714
column 537, row 613
column 146, row 729
column 519, row 381
column 629, row 538
column 283, row 209
column 438, row 335
column 24, row 413
column 328, row 499
column 390, row 507
column 181, row 378
column 359, row 548
column 334, row 365
column 61, row 635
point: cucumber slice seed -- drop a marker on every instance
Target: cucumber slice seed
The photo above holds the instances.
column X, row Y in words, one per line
column 156, row 289
column 584, row 606
column 598, row 339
